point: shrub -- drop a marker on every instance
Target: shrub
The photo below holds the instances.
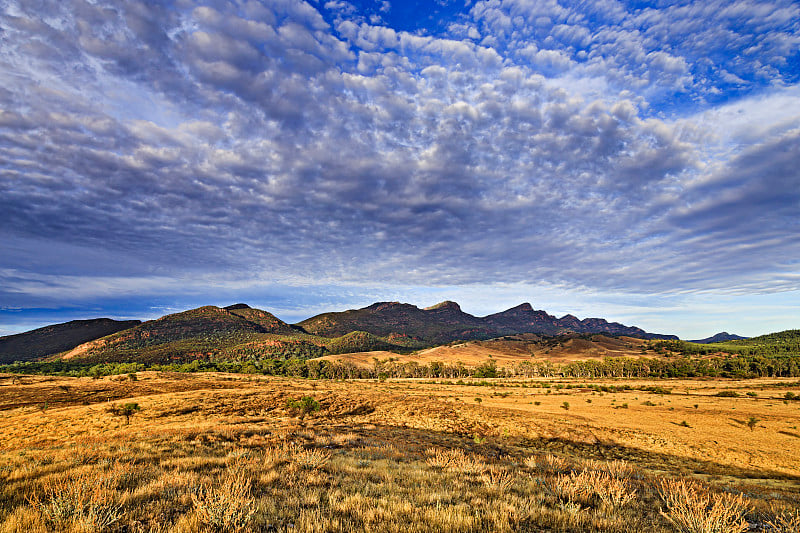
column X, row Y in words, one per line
column 691, row 508
column 590, row 486
column 228, row 506
column 727, row 394
column 785, row 522
column 548, row 464
column 83, row 501
column 497, row 479
column 302, row 407
column 311, row 459
column 468, row 464
column 440, row 457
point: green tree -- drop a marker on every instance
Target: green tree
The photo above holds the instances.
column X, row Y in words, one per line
column 127, row 410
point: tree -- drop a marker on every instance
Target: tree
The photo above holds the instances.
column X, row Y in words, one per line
column 127, row 410
column 752, row 422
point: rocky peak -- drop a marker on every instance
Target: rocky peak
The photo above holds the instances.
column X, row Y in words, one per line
column 447, row 304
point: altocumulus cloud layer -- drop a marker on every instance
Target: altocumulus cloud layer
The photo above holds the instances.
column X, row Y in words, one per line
column 148, row 146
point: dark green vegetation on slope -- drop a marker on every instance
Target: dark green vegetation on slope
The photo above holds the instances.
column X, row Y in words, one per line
column 57, row 338
column 782, row 343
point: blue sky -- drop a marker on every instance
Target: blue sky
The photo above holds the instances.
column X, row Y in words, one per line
column 636, row 161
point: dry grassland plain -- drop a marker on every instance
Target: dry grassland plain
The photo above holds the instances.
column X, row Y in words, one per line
column 223, row 452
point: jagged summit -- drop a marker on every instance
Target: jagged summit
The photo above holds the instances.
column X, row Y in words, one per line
column 523, row 307
column 236, row 306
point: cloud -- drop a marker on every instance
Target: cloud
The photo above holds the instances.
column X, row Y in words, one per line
column 270, row 143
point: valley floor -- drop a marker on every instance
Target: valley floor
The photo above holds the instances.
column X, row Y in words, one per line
column 222, row 452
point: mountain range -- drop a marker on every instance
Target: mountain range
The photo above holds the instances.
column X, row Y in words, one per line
column 446, row 322
column 240, row 332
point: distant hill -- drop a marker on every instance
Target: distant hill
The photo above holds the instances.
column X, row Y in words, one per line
column 720, row 337
column 446, row 322
column 57, row 338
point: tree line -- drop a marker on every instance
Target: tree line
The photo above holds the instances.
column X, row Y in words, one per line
column 734, row 366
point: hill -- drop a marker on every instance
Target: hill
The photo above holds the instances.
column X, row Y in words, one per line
column 202, row 333
column 56, row 338
column 446, row 322
column 236, row 332
column 723, row 336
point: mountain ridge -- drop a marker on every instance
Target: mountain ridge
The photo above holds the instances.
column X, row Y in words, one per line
column 446, row 322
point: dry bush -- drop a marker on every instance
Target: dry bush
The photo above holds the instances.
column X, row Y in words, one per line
column 617, row 468
column 228, row 506
column 573, row 488
column 85, row 501
column 454, row 459
column 691, row 508
column 345, row 439
column 311, row 459
column 439, row 457
column 497, row 479
column 548, row 464
column 787, row 521
column 584, row 487
column 612, row 491
column 275, row 456
column 468, row 464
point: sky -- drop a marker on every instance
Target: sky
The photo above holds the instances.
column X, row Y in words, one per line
column 636, row 161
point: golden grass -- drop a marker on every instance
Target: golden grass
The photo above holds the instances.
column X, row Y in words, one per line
column 223, row 453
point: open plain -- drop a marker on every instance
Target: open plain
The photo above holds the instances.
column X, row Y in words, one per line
column 228, row 452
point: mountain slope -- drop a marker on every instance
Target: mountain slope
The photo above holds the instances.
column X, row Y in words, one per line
column 57, row 338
